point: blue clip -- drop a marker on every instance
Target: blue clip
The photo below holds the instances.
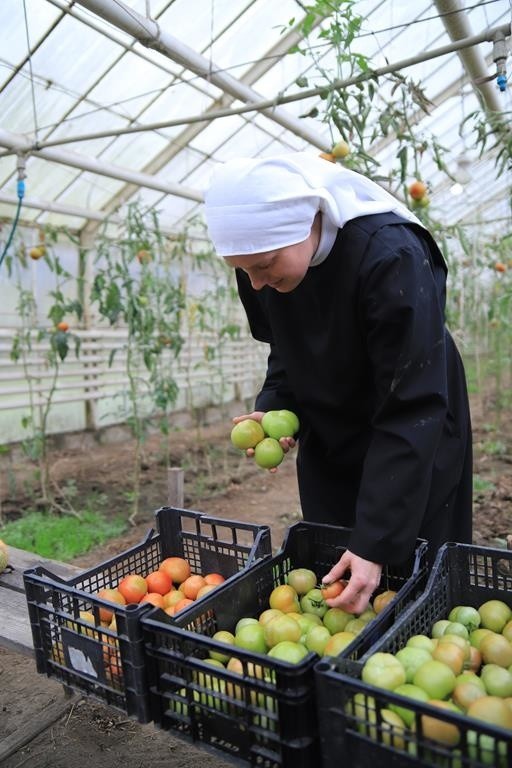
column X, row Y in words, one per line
column 501, row 80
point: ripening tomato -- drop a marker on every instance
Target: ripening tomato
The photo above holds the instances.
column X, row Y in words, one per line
column 417, row 189
column 335, row 588
column 491, row 709
column 284, row 598
column 159, row 581
column 173, row 597
column 191, row 586
column 214, row 578
column 184, row 603
column 451, row 655
column 465, row 694
column 496, row 649
column 327, row 156
column 133, row 588
column 383, row 599
column 143, row 256
column 113, row 596
column 155, row 598
column 439, row 730
column 205, row 590
column 177, row 568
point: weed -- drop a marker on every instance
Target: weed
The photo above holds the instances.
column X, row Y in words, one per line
column 480, row 484
column 61, row 537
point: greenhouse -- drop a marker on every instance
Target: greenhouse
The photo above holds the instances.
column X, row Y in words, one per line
column 128, row 344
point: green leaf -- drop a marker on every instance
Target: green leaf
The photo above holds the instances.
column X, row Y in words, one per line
column 60, row 344
column 402, row 156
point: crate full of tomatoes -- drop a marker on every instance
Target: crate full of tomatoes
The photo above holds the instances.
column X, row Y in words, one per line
column 436, row 689
column 86, row 630
column 235, row 673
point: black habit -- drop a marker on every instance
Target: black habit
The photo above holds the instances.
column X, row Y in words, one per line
column 360, row 351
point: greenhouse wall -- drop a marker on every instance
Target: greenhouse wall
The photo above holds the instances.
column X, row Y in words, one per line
column 210, row 359
column 90, row 394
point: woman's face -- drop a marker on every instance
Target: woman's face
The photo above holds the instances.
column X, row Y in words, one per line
column 282, row 269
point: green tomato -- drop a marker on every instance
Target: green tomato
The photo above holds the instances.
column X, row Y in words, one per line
column 412, row 659
column 336, row 619
column 302, row 580
column 222, row 636
column 411, row 692
column 252, row 638
column 288, row 651
column 313, row 602
column 268, row 453
column 317, row 638
column 384, row 671
column 247, row 434
column 494, row 615
column 465, row 614
column 435, row 678
column 277, row 425
column 281, row 628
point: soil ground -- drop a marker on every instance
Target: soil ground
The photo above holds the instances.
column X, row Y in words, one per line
column 217, row 481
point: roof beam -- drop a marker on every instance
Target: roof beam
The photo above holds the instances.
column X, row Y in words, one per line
column 192, row 130
column 269, row 106
column 149, row 34
column 22, row 145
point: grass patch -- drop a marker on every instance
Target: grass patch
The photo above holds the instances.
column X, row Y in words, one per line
column 480, row 484
column 61, row 537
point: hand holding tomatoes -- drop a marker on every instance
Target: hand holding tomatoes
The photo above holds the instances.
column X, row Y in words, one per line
column 364, row 579
column 273, row 441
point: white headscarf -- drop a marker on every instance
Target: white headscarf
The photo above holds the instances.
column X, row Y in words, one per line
column 258, row 205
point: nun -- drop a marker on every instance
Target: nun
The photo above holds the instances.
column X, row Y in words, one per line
column 347, row 289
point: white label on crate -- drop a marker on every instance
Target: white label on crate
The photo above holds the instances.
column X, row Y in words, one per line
column 81, row 662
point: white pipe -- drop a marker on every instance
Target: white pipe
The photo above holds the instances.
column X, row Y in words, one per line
column 66, row 210
column 23, row 145
column 454, row 18
column 149, row 34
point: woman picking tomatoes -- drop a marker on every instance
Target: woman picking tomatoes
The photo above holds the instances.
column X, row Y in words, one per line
column 347, row 288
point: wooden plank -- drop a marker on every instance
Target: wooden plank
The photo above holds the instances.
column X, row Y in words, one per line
column 15, row 632
column 22, row 736
column 21, row 560
column 175, row 487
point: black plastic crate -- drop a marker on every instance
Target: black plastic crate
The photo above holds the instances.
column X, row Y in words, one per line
column 265, row 714
column 109, row 663
column 461, row 575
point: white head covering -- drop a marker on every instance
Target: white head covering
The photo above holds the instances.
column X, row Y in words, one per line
column 259, row 205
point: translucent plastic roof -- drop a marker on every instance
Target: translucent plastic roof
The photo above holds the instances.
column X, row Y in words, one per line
column 72, row 70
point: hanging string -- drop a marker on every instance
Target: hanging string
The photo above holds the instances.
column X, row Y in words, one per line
column 212, row 14
column 32, row 87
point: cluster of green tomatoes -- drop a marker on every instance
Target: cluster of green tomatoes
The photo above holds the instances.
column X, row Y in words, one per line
column 263, row 437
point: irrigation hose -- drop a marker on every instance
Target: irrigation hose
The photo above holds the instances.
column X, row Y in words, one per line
column 21, row 193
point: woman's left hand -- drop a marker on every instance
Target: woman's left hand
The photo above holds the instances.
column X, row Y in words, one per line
column 364, row 580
